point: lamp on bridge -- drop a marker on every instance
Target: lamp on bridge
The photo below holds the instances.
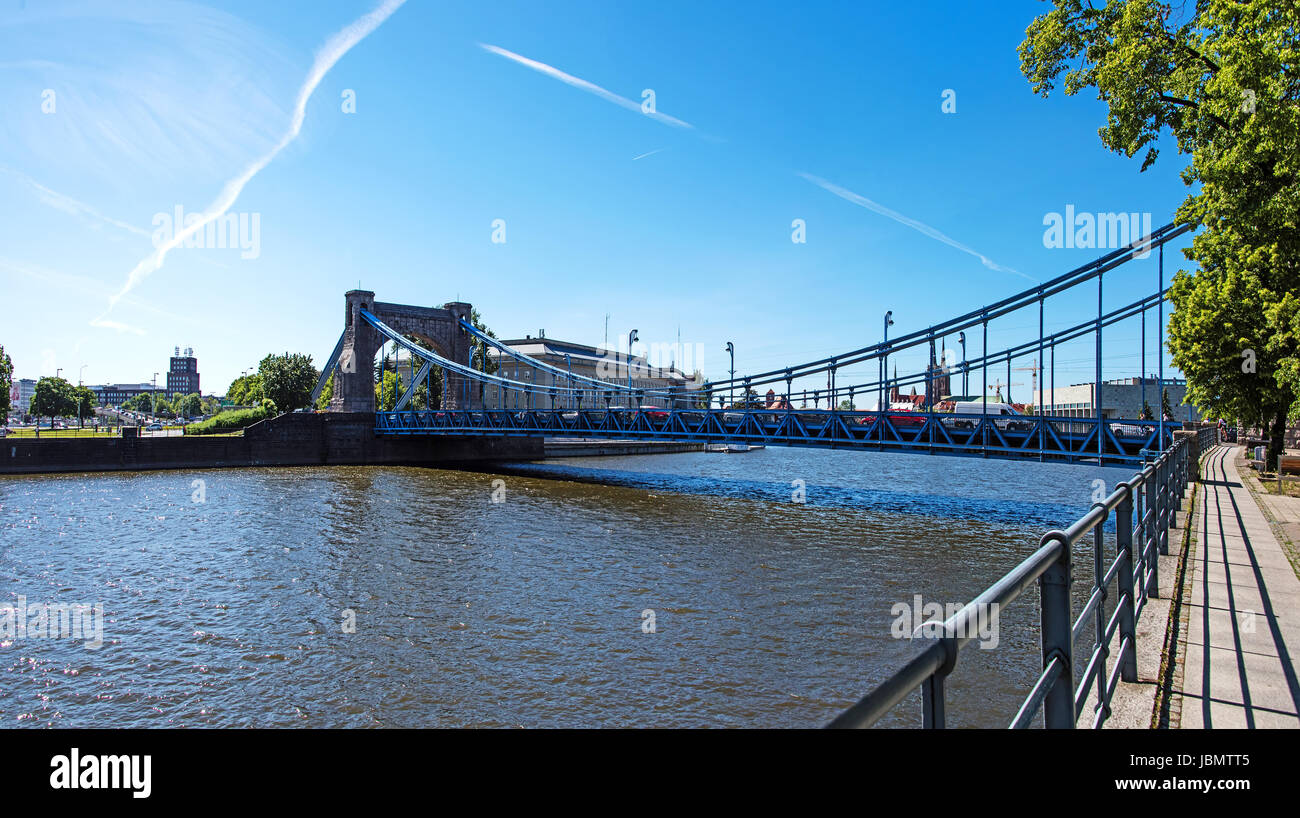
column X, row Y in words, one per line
column 884, row 361
column 961, row 339
column 731, row 387
column 632, row 337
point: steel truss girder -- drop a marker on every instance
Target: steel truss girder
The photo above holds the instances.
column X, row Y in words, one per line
column 1031, row 437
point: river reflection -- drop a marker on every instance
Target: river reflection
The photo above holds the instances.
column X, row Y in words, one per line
column 228, row 602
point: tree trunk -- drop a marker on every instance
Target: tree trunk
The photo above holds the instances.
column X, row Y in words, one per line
column 1276, row 437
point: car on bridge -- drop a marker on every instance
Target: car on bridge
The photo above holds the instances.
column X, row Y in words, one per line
column 967, row 415
column 899, row 420
column 654, row 412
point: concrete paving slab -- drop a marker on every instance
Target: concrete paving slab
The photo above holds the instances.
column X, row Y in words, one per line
column 1243, row 615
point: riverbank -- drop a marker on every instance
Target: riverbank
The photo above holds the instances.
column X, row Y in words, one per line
column 299, row 439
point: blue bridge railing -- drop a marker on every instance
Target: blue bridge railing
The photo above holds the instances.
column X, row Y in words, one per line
column 1072, row 439
column 1144, row 509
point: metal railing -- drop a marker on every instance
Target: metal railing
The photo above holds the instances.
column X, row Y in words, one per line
column 1144, row 508
column 1039, row 437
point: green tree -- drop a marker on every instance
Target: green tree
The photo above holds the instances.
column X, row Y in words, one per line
column 163, row 408
column 6, row 385
column 386, row 391
column 1165, row 408
column 287, row 380
column 53, row 399
column 326, row 393
column 142, row 402
column 246, row 390
column 479, row 358
column 1225, row 82
column 190, row 405
column 1146, row 411
column 84, row 401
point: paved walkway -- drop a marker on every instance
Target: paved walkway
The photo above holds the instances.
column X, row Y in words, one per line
column 1243, row 621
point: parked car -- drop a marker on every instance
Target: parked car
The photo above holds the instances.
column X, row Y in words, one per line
column 153, row 427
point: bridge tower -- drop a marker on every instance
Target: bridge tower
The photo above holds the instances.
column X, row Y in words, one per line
column 435, row 328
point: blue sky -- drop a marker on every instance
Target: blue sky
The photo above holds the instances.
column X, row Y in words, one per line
column 668, row 223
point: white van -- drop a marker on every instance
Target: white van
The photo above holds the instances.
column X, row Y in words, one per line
column 968, row 411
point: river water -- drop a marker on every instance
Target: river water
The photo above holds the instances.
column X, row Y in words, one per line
column 525, row 596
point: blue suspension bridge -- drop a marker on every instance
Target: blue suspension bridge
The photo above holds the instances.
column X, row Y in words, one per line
column 526, row 397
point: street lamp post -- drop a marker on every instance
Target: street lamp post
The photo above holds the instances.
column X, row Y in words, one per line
column 632, row 338
column 961, row 339
column 568, row 362
column 884, row 361
column 731, row 387
column 80, row 380
column 153, row 400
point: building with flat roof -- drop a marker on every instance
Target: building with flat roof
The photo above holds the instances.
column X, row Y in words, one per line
column 20, row 396
column 1120, row 399
column 115, row 394
column 607, row 365
column 183, row 374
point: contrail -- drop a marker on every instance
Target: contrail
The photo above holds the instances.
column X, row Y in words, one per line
column 589, row 87
column 326, row 57
column 651, row 153
column 924, row 229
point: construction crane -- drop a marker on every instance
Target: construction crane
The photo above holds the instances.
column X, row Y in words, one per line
column 998, row 386
column 1033, row 369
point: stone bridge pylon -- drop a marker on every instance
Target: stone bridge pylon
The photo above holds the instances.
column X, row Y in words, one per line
column 352, row 361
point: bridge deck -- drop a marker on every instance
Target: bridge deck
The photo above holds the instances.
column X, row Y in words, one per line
column 1020, row 437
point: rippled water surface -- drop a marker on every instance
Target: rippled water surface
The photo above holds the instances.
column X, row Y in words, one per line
column 524, row 612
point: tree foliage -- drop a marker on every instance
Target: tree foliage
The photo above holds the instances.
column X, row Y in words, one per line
column 1225, row 82
column 246, row 390
column 326, row 393
column 6, row 385
column 54, row 398
column 84, row 400
column 288, row 380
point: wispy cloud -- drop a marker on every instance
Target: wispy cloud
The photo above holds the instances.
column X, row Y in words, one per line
column 920, row 227
column 589, row 87
column 118, row 326
column 67, row 204
column 326, row 57
column 74, row 285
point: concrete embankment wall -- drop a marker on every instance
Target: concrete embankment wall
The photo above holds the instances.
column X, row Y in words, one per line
column 326, row 439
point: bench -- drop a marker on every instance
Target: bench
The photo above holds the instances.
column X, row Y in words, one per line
column 1288, row 468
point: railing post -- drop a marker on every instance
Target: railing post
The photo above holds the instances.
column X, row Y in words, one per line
column 1054, row 619
column 1162, row 518
column 932, row 697
column 1180, row 480
column 1150, row 539
column 932, row 717
column 1127, row 623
